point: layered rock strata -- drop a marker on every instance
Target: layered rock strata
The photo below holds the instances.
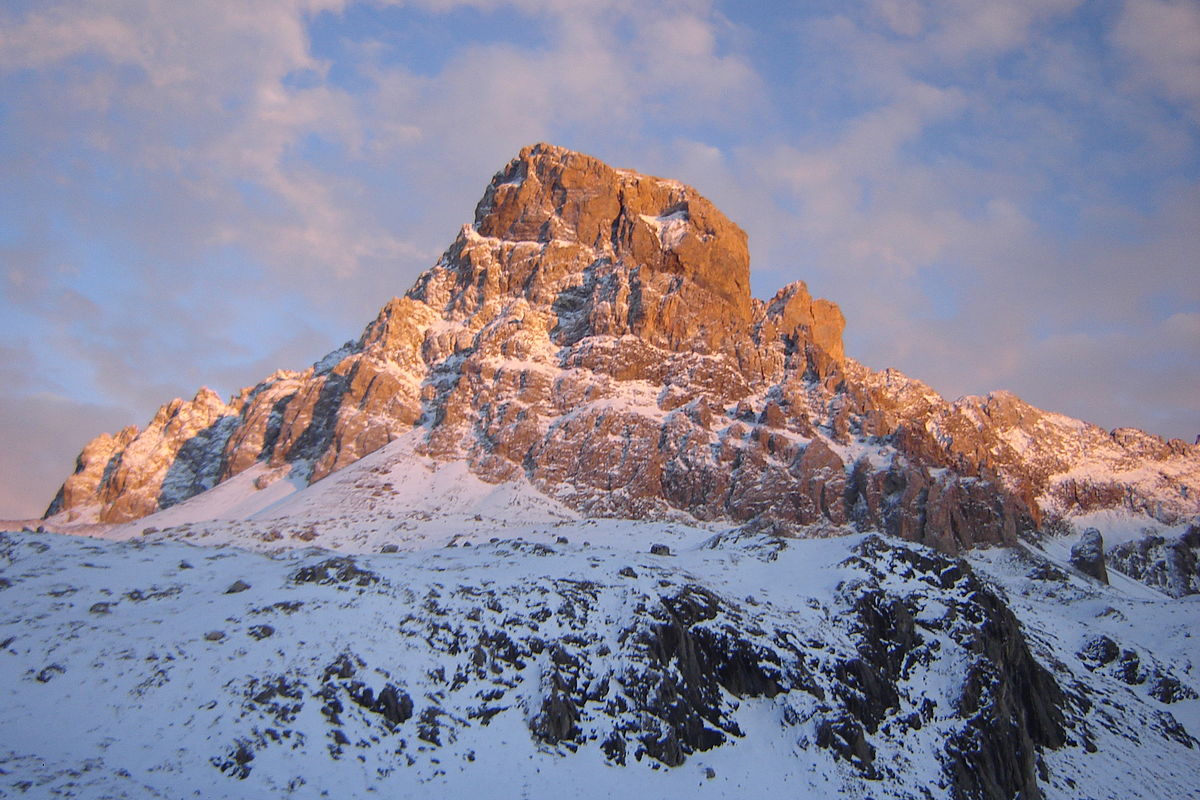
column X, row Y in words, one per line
column 593, row 330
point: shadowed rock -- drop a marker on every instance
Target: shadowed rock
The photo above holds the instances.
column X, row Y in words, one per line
column 1171, row 565
column 1087, row 555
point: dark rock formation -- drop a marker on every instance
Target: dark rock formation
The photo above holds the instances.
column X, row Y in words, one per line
column 1087, row 555
column 688, row 657
column 341, row 570
column 1169, row 564
column 662, row 675
column 1015, row 707
column 1012, row 705
column 1134, row 668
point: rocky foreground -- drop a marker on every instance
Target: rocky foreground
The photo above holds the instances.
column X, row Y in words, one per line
column 564, row 663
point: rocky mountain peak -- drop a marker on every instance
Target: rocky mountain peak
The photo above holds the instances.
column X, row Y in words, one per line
column 549, row 193
column 820, row 320
column 611, row 251
column 592, row 332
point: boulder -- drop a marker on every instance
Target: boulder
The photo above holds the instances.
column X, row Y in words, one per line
column 1087, row 555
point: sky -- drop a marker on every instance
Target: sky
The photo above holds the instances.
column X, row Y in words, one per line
column 1001, row 194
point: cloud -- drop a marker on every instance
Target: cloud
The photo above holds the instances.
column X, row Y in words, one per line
column 1161, row 39
column 42, row 39
column 904, row 17
column 978, row 225
column 196, row 105
column 981, row 29
column 1149, row 383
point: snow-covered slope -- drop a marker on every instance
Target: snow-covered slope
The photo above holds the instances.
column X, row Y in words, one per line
column 736, row 665
column 394, row 497
column 398, row 497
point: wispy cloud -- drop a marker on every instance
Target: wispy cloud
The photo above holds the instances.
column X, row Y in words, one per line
column 993, row 190
column 1161, row 39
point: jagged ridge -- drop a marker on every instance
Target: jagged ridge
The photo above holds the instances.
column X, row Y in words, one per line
column 593, row 330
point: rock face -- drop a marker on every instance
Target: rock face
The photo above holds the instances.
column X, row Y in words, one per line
column 593, row 330
column 1172, row 565
column 686, row 254
column 1087, row 555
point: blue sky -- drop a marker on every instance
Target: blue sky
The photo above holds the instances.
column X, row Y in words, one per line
column 1000, row 195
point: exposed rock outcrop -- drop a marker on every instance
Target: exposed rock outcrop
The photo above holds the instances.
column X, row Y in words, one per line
column 593, row 330
column 1087, row 555
column 661, row 675
column 1169, row 564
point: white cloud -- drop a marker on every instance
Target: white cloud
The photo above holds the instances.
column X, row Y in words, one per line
column 43, row 39
column 979, row 29
column 905, row 17
column 1162, row 40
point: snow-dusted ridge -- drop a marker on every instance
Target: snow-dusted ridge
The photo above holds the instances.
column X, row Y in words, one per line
column 410, row 630
column 157, row 668
column 592, row 334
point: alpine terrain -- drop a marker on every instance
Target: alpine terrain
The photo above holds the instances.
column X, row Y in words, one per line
column 578, row 516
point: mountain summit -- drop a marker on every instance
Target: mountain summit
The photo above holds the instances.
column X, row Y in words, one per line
column 593, row 332
column 388, row 573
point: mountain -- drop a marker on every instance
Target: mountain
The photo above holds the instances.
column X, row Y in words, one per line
column 577, row 517
column 593, row 332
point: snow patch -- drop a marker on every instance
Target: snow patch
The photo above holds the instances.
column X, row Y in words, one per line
column 670, row 228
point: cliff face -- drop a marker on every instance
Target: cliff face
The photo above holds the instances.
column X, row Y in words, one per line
column 594, row 331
